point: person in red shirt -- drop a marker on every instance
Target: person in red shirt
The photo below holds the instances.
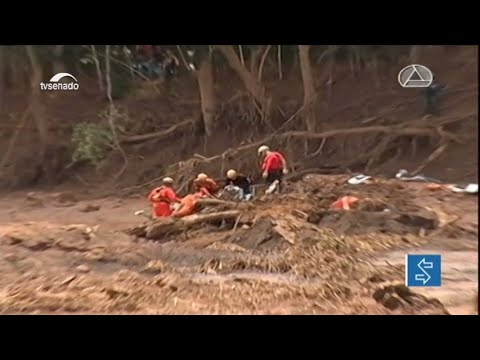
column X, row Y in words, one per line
column 273, row 168
column 162, row 198
column 205, row 185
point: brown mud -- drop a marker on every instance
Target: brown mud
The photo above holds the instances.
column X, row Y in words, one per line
column 58, row 258
column 65, row 246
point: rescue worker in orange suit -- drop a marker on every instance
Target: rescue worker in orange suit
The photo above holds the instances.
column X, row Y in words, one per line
column 239, row 183
column 188, row 205
column 162, row 198
column 205, row 185
column 273, row 168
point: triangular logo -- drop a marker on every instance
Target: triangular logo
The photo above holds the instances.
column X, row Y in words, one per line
column 415, row 76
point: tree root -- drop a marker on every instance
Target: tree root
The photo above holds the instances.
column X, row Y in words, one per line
column 434, row 155
column 189, row 165
column 385, row 144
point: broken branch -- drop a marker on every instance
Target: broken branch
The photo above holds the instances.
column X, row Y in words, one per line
column 159, row 134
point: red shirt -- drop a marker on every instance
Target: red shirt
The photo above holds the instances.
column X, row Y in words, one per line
column 161, row 198
column 273, row 161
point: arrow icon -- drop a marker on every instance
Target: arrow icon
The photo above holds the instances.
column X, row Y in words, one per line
column 426, row 265
column 425, row 277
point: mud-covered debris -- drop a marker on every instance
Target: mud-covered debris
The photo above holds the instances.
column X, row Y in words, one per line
column 140, row 230
column 34, row 199
column 370, row 204
column 83, row 268
column 155, row 267
column 97, row 254
column 128, row 275
column 356, row 222
column 316, row 216
column 284, row 229
column 11, row 240
column 376, row 278
column 65, row 197
column 90, row 208
column 220, row 246
column 421, row 219
column 260, row 235
column 115, row 293
column 68, row 279
column 11, row 257
column 394, row 297
column 171, row 281
column 245, row 227
column 443, row 218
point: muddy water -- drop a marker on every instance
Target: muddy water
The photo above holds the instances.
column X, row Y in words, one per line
column 459, row 277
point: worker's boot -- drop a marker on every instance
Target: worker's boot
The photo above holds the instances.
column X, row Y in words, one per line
column 273, row 187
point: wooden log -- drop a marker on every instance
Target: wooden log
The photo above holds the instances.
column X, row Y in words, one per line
column 160, row 227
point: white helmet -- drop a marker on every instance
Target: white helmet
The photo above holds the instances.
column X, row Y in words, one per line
column 262, row 149
column 167, row 180
column 202, row 176
column 231, row 174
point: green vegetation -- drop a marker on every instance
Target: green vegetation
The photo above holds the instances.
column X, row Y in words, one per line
column 91, row 142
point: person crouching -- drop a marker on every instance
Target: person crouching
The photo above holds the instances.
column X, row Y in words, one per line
column 162, row 198
column 239, row 183
column 205, row 185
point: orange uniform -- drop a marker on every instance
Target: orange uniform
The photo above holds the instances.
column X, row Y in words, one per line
column 207, row 187
column 189, row 205
column 161, row 198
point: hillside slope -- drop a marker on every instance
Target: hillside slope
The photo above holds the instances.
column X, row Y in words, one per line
column 366, row 98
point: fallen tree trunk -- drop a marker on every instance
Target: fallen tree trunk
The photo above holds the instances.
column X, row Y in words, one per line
column 390, row 130
column 163, row 226
column 216, row 202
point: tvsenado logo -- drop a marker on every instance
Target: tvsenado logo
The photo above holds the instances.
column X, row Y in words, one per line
column 55, row 84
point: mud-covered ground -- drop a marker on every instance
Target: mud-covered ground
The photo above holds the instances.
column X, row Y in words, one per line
column 66, row 253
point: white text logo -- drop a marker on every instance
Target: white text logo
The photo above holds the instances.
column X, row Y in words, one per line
column 54, row 84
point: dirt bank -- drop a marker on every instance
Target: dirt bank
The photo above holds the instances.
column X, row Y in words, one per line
column 365, row 98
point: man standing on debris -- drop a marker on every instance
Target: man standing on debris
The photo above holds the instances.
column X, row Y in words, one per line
column 274, row 167
column 239, row 183
column 431, row 94
column 205, row 185
column 162, row 198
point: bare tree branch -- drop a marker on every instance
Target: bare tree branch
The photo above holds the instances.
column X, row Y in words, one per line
column 112, row 112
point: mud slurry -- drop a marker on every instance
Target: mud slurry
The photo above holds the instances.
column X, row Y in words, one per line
column 288, row 254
